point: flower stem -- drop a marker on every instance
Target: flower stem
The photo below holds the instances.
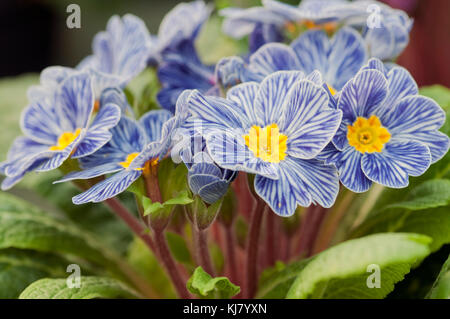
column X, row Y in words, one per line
column 202, row 251
column 170, row 265
column 309, row 228
column 137, row 227
column 230, row 247
column 270, row 239
column 252, row 249
column 331, row 223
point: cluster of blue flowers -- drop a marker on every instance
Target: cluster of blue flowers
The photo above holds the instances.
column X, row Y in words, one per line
column 315, row 102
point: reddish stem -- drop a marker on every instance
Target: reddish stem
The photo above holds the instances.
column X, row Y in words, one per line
column 202, row 251
column 230, row 247
column 252, row 249
column 270, row 238
column 170, row 265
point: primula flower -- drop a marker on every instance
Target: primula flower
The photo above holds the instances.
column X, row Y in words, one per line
column 59, row 127
column 122, row 51
column 135, row 147
column 338, row 58
column 388, row 131
column 390, row 38
column 180, row 68
column 274, row 130
column 205, row 178
column 312, row 14
column 104, row 87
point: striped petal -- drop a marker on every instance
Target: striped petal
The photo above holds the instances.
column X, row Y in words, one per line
column 273, row 57
column 272, row 94
column 396, row 162
column 363, row 95
column 117, row 97
column 108, row 188
column 106, row 118
column 347, row 55
column 348, row 163
column 96, row 171
column 91, row 143
column 40, row 123
column 217, row 111
column 229, row 151
column 417, row 118
column 153, row 121
column 307, row 120
column 75, row 102
column 244, row 95
column 214, row 191
column 312, row 49
column 301, row 183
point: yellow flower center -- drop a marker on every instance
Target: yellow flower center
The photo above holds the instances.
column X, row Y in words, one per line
column 128, row 160
column 132, row 156
column 267, row 143
column 332, row 89
column 367, row 135
column 65, row 139
column 295, row 28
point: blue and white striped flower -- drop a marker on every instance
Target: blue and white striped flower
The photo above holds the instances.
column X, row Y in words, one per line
column 180, row 27
column 324, row 14
column 59, row 127
column 205, row 178
column 388, row 131
column 121, row 52
column 387, row 40
column 135, row 147
column 180, row 68
column 274, row 129
column 338, row 58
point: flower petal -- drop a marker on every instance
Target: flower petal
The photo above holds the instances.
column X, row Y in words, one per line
column 96, row 171
column 399, row 159
column 307, row 120
column 347, row 55
column 273, row 57
column 75, row 102
column 348, row 163
column 153, row 121
column 363, row 95
column 40, row 123
column 272, row 94
column 108, row 188
column 244, row 95
column 229, row 151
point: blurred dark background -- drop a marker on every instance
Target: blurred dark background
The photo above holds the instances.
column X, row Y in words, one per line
column 34, row 33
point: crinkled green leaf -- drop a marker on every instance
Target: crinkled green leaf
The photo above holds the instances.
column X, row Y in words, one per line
column 90, row 288
column 341, row 271
column 424, row 210
column 203, row 285
column 19, row 268
column 430, row 194
column 441, row 287
column 142, row 90
column 276, row 281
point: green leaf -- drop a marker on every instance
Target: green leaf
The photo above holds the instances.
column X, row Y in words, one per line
column 276, row 281
column 91, row 288
column 182, row 198
column 431, row 194
column 203, row 285
column 341, row 271
column 441, row 287
column 424, row 210
column 178, row 248
column 36, row 230
column 439, row 93
column 19, row 268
